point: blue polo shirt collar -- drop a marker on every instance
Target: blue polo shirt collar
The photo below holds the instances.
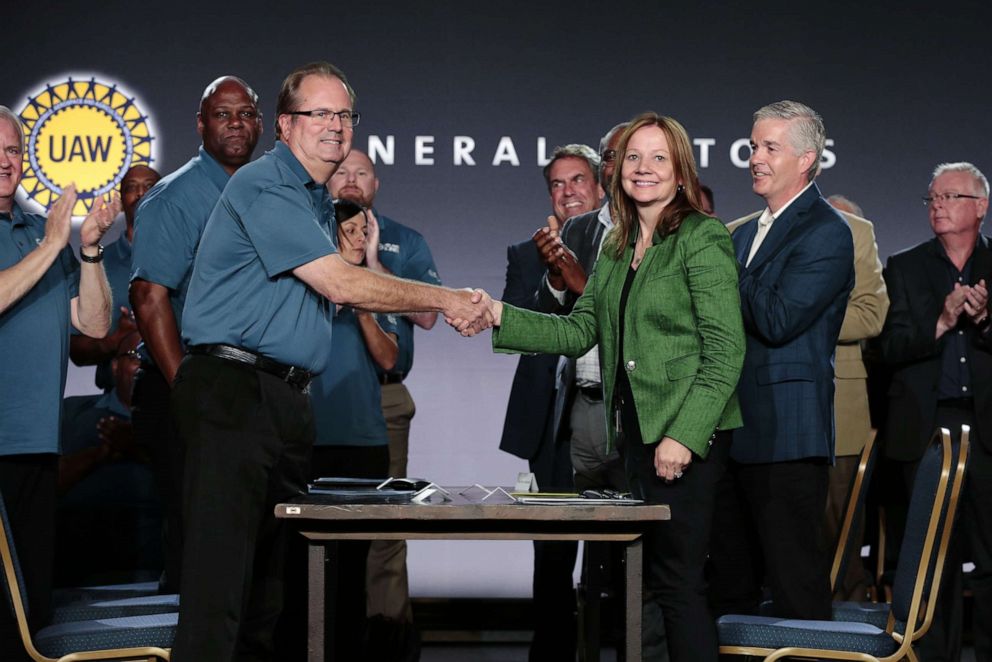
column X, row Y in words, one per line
column 284, row 154
column 383, row 220
column 215, row 171
column 318, row 192
column 16, row 216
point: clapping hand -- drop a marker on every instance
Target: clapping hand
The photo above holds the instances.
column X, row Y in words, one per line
column 117, row 437
column 372, row 242
column 564, row 270
column 976, row 302
column 58, row 225
column 953, row 307
column 99, row 220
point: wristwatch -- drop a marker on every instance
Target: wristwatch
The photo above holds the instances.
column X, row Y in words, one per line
column 92, row 259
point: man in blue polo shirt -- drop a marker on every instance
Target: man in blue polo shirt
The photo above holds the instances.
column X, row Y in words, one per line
column 169, row 223
column 84, row 350
column 403, row 252
column 43, row 290
column 257, row 325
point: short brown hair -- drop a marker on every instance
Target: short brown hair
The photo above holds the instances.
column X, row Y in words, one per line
column 286, row 102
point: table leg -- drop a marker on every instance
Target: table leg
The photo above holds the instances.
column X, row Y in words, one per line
column 315, row 614
column 595, row 557
column 634, row 562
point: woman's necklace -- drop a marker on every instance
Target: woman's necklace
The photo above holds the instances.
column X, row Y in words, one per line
column 639, row 251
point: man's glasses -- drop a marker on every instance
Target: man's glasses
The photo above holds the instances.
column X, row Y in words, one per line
column 323, row 117
column 944, row 198
column 609, row 156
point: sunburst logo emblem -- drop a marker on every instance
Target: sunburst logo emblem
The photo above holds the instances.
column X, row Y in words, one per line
column 84, row 131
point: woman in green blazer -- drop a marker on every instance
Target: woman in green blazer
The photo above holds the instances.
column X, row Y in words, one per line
column 662, row 304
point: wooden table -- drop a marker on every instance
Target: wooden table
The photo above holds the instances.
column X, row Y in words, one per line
column 468, row 517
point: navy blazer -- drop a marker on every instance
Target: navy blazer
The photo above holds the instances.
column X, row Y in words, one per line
column 793, row 297
column 530, row 409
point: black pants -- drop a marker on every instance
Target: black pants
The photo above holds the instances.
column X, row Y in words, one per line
column 555, row 616
column 768, row 531
column 675, row 551
column 248, row 437
column 345, row 621
column 971, row 540
column 28, row 486
column 155, row 429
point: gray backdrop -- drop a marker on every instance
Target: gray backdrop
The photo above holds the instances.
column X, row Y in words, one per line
column 901, row 87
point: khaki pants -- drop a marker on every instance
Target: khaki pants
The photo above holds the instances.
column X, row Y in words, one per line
column 386, row 579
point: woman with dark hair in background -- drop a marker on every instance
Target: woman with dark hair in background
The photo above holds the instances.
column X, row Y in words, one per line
column 663, row 306
column 351, row 438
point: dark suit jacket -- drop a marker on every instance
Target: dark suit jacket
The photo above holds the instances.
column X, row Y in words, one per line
column 917, row 288
column 531, row 405
column 582, row 235
column 793, row 297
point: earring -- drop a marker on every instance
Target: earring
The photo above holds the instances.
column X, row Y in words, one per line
column 680, row 188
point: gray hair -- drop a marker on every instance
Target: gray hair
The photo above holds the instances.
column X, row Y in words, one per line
column 806, row 133
column 963, row 166
column 15, row 121
column 605, row 140
column 577, row 151
column 842, row 203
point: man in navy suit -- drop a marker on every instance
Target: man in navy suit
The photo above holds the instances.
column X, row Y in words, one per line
column 796, row 271
column 528, row 430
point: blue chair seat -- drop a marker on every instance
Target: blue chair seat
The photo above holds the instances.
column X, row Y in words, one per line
column 876, row 614
column 771, row 632
column 134, row 631
column 67, row 596
column 102, row 609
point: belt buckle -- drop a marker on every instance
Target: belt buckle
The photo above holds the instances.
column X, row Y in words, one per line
column 298, row 377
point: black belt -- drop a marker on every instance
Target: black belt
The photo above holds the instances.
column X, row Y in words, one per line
column 957, row 403
column 391, row 377
column 290, row 374
column 592, row 392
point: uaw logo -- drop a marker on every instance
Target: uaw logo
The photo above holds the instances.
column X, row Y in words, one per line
column 86, row 132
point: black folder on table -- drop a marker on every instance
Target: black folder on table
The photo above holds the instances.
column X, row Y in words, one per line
column 370, row 490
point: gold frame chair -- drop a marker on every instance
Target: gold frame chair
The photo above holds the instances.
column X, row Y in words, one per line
column 15, row 592
column 942, row 512
column 855, row 502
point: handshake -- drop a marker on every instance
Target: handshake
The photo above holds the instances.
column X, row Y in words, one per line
column 471, row 311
